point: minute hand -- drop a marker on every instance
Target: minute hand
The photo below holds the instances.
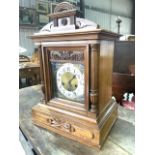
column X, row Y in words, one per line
column 69, row 83
column 71, row 79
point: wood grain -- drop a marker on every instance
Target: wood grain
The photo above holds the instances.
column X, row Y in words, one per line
column 97, row 34
column 105, row 73
column 91, row 122
column 94, row 56
column 88, row 133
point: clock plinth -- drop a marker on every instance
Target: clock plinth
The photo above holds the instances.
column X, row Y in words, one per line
column 89, row 131
column 76, row 72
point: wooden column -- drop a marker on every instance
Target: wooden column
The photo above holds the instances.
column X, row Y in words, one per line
column 41, row 74
column 93, row 93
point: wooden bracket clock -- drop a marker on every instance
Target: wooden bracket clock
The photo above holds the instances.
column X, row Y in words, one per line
column 76, row 59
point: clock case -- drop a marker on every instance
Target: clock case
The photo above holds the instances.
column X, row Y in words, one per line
column 87, row 123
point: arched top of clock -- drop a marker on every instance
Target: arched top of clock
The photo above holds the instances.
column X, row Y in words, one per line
column 64, row 6
column 65, row 18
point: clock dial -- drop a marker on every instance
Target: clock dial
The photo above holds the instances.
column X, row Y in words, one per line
column 68, row 81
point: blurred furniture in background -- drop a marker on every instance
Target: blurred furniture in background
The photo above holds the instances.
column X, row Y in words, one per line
column 123, row 69
column 124, row 56
column 23, row 58
column 122, row 83
column 29, row 74
column 35, row 57
column 29, row 70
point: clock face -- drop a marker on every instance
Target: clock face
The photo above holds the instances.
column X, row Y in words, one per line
column 68, row 81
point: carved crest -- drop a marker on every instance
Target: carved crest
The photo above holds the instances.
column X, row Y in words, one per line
column 67, row 55
column 61, row 125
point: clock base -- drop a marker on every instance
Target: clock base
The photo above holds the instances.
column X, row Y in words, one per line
column 89, row 131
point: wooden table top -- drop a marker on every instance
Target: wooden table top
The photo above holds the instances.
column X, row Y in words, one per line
column 119, row 142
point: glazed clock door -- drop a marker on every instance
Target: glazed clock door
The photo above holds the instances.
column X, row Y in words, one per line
column 69, row 68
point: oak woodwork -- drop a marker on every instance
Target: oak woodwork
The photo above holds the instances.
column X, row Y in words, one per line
column 59, row 14
column 86, row 123
column 105, row 73
column 48, row 78
column 97, row 34
column 89, row 122
column 83, row 129
column 94, row 56
column 41, row 73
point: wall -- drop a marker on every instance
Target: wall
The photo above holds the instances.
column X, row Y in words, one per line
column 26, row 31
column 25, row 42
column 105, row 12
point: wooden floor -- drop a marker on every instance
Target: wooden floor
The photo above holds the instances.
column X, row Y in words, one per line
column 38, row 141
